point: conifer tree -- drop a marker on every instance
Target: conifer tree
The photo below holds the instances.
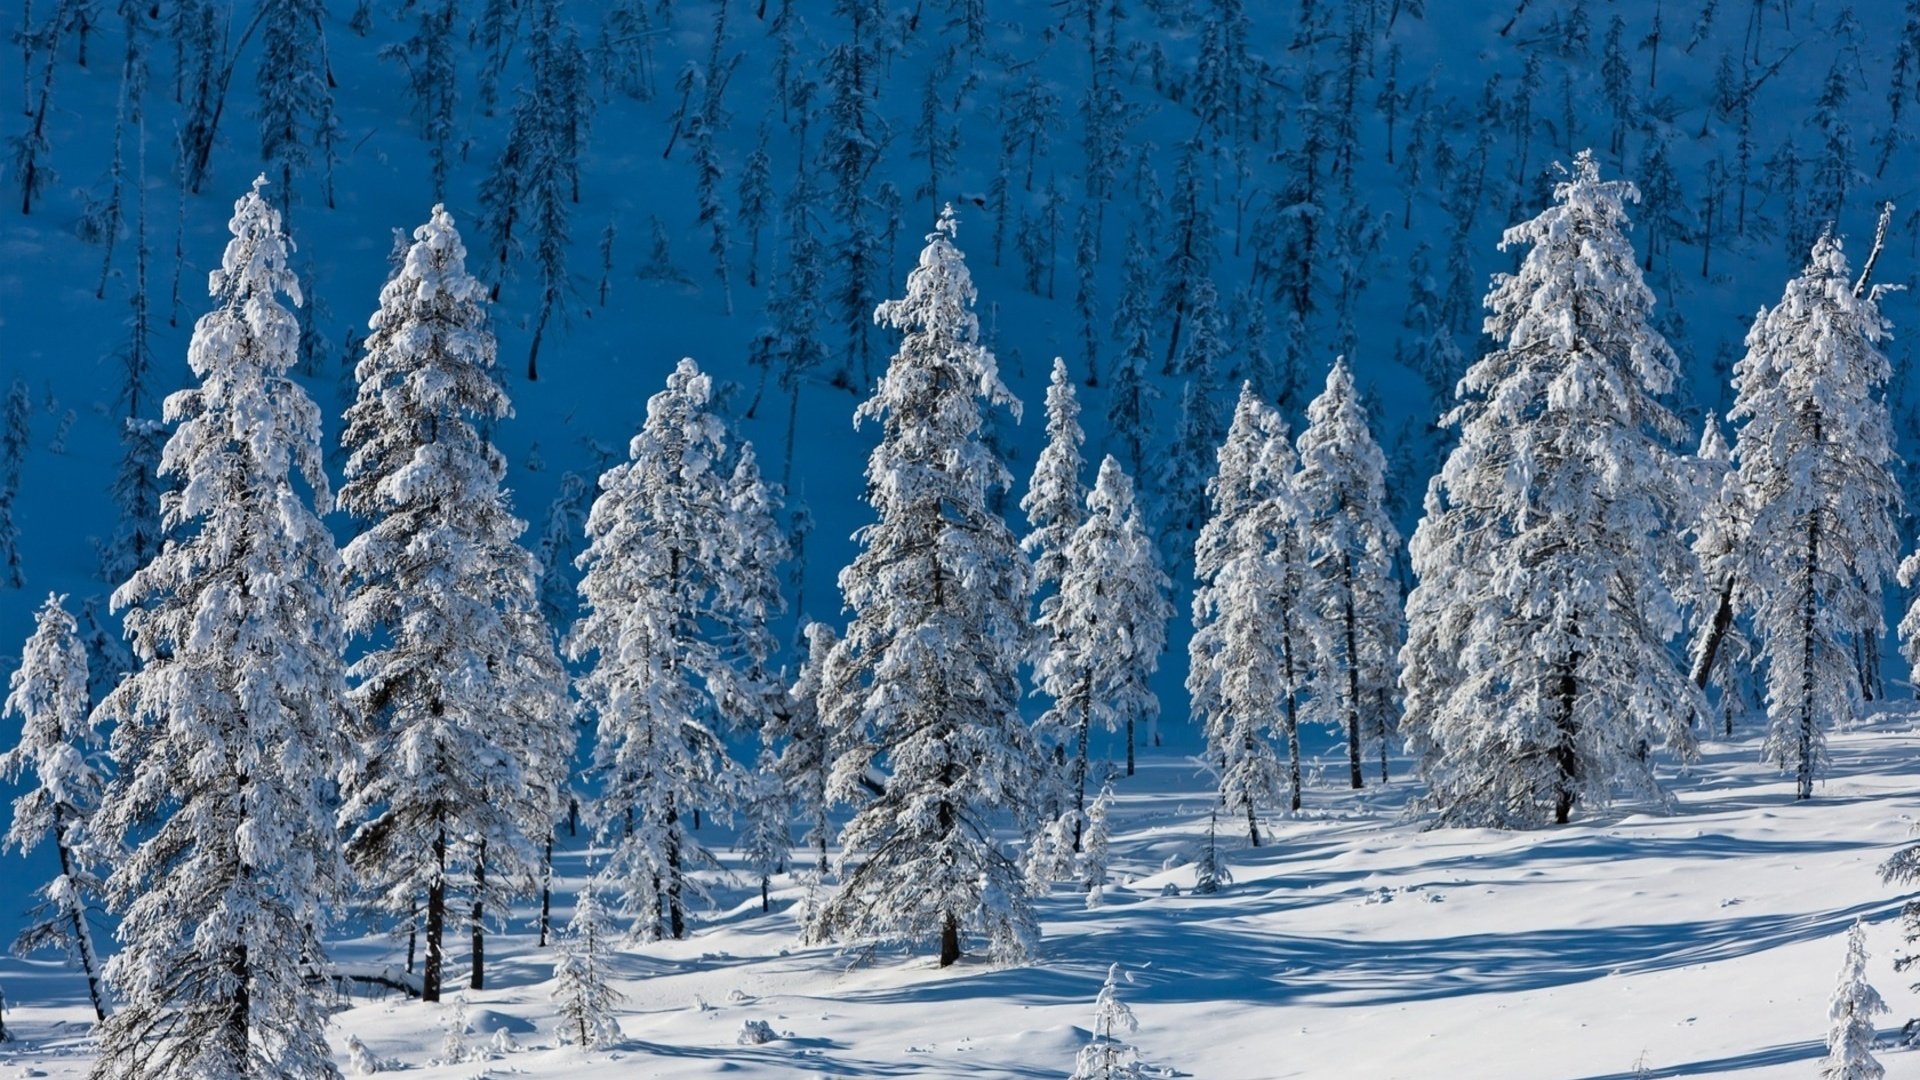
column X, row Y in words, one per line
column 1055, row 503
column 1536, row 669
column 1105, row 627
column 1350, row 549
column 460, row 702
column 49, row 695
column 227, row 737
column 1243, row 660
column 582, row 980
column 765, row 839
column 1130, row 400
column 1107, row 1056
column 296, row 96
column 925, row 687
column 1813, row 455
column 1855, row 1002
column 1094, row 846
column 676, row 578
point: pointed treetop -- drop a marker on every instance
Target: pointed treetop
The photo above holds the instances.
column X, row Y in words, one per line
column 1713, row 442
column 255, row 261
column 948, row 225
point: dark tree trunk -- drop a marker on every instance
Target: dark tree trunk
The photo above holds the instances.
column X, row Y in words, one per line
column 478, row 980
column 430, row 974
column 949, row 941
column 676, row 916
column 546, row 893
column 1353, row 680
column 1716, row 634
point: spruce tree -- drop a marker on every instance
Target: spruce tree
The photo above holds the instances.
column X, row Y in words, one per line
column 1814, row 453
column 1242, row 675
column 1107, row 1056
column 1536, row 669
column 1105, row 628
column 226, row 739
column 582, row 980
column 49, row 695
column 1350, row 585
column 677, row 575
column 926, row 687
column 459, row 702
column 1855, row 1002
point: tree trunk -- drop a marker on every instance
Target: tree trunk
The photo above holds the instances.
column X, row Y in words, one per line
column 949, row 940
column 676, row 917
column 240, row 1011
column 413, row 934
column 546, row 892
column 1353, row 680
column 478, row 979
column 1564, row 756
column 1716, row 633
column 1808, row 627
column 430, row 973
column 1129, row 746
column 1080, row 761
column 82, row 939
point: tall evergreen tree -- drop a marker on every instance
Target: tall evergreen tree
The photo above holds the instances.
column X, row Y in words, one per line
column 927, row 690
column 675, row 629
column 1245, row 659
column 460, row 702
column 49, row 694
column 1350, row 584
column 1106, row 628
column 1536, row 669
column 226, row 740
column 1813, row 454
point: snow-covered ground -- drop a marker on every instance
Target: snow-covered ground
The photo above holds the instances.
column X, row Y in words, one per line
column 1700, row 942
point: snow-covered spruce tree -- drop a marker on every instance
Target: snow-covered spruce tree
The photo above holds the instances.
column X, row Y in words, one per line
column 1813, row 457
column 1243, row 661
column 1095, row 846
column 1350, row 542
column 926, row 687
column 1536, row 669
column 226, row 740
column 806, row 754
column 1105, row 629
column 460, row 702
column 1055, row 503
column 49, row 696
column 582, row 980
column 1855, row 1003
column 675, row 626
column 1107, row 1056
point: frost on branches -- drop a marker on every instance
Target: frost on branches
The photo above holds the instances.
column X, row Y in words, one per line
column 1244, row 661
column 582, row 980
column 226, row 738
column 461, row 710
column 1107, row 1056
column 926, row 691
column 678, row 584
column 49, row 696
column 1812, row 455
column 1850, row 1014
column 1349, row 585
column 1105, row 629
column 1536, row 668
column 1721, row 647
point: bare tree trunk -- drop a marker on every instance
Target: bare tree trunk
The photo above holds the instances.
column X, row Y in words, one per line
column 430, row 974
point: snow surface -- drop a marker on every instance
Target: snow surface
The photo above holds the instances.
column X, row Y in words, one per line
column 1354, row 945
